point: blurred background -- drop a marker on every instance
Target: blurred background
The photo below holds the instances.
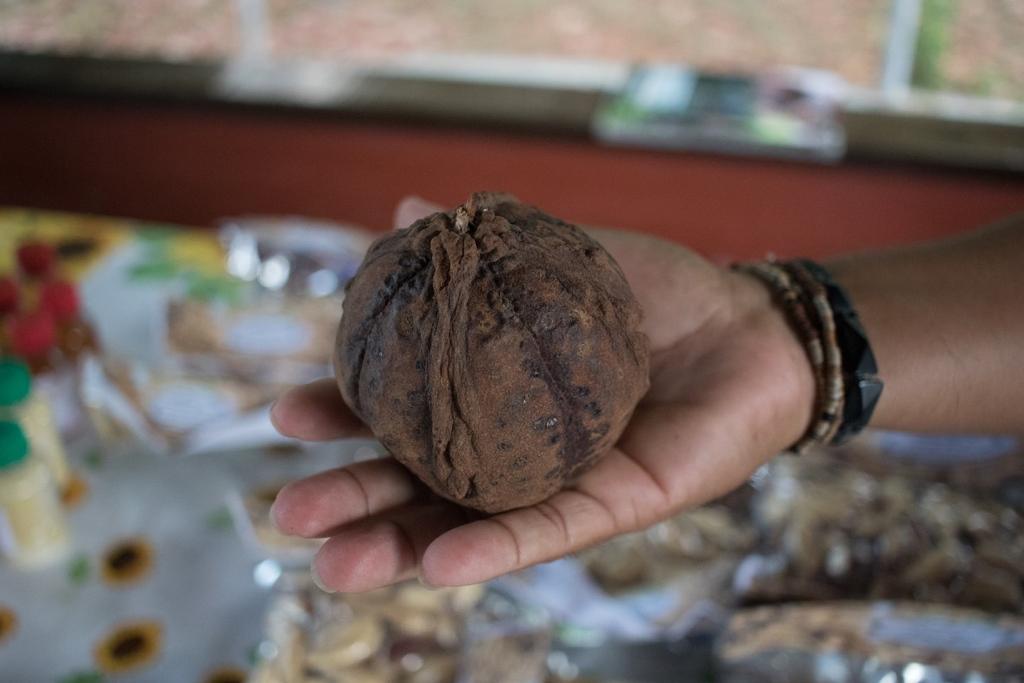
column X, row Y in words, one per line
column 959, row 47
column 191, row 111
column 185, row 189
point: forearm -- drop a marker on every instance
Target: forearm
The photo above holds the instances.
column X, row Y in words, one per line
column 946, row 322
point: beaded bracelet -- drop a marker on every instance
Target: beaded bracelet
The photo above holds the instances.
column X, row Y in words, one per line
column 806, row 305
column 834, row 384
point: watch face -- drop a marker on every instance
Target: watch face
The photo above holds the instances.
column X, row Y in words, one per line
column 859, row 405
column 870, row 391
column 860, row 369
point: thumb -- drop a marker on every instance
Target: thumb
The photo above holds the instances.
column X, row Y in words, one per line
column 411, row 208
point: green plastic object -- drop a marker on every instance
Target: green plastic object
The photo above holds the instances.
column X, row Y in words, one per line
column 13, row 444
column 15, row 382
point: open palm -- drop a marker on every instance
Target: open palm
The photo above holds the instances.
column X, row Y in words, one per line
column 730, row 386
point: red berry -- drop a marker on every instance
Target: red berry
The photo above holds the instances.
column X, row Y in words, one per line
column 36, row 258
column 8, row 295
column 32, row 334
column 60, row 298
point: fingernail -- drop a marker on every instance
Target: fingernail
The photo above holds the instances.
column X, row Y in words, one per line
column 273, row 516
column 423, row 582
column 318, row 581
column 275, row 511
column 270, row 413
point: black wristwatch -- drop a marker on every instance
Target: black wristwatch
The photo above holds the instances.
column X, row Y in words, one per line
column 862, row 387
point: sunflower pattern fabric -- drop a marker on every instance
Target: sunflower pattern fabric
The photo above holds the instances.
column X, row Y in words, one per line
column 159, row 585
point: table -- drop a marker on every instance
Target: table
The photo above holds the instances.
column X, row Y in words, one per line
column 159, row 586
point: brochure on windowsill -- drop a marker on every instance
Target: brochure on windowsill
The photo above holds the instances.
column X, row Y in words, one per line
column 789, row 113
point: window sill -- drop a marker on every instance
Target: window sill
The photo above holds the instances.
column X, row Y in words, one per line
column 512, row 94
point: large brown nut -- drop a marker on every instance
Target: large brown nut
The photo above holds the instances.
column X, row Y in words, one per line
column 495, row 350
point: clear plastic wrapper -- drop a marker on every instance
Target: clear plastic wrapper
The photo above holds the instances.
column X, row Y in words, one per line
column 690, row 542
column 988, row 466
column 871, row 643
column 172, row 410
column 250, row 510
column 834, row 531
column 257, row 488
column 300, row 256
column 504, row 642
column 401, row 634
column 263, row 338
column 211, row 350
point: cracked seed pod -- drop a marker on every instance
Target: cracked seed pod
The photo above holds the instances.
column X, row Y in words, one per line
column 495, row 351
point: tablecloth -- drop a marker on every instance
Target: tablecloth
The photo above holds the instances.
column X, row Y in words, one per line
column 159, row 585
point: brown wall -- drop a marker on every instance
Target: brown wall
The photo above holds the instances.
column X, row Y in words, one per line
column 194, row 164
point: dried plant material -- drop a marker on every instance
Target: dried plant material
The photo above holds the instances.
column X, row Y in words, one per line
column 850, row 534
column 400, row 634
column 877, row 641
column 495, row 350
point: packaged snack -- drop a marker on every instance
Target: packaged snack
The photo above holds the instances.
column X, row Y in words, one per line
column 504, row 643
column 691, row 542
column 173, row 410
column 301, row 257
column 257, row 488
column 988, row 466
column 834, row 531
column 869, row 642
column 401, row 634
column 285, row 340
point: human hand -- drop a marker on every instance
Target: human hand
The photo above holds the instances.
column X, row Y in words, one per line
column 730, row 387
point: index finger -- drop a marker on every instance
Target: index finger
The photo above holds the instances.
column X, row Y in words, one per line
column 617, row 496
column 316, row 412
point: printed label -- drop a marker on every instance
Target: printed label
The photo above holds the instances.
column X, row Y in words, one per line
column 183, row 406
column 267, row 335
column 967, row 636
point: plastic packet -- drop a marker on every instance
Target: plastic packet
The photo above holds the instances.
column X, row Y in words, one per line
column 989, row 466
column 258, row 487
column 687, row 543
column 171, row 410
column 505, row 642
column 265, row 339
column 401, row 634
column 871, row 643
column 278, row 325
column 833, row 531
column 302, row 257
column 250, row 510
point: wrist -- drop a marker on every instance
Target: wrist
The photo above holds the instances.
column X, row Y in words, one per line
column 878, row 309
column 843, row 364
column 787, row 401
